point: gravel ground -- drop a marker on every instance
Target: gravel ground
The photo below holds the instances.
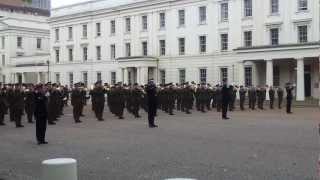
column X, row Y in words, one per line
column 252, row 145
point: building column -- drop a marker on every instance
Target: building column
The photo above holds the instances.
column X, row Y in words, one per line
column 269, row 76
column 38, row 77
column 241, row 74
column 125, row 76
column 23, row 77
column 144, row 75
column 138, row 76
column 300, row 80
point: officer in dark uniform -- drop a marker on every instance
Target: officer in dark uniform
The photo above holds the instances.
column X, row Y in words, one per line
column 77, row 102
column 242, row 94
column 98, row 100
column 289, row 89
column 119, row 100
column 151, row 91
column 136, row 99
column 271, row 96
column 280, row 97
column 40, row 113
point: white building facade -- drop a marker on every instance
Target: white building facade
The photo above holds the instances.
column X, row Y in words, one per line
column 24, row 45
column 245, row 42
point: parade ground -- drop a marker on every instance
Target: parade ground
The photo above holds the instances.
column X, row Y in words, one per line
column 252, row 145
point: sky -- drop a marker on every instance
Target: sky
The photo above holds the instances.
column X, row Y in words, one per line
column 58, row 3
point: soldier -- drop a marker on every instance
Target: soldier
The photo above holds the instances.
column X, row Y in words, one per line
column 289, row 89
column 151, row 91
column 197, row 94
column 179, row 91
column 188, row 98
column 219, row 98
column 252, row 98
column 29, row 103
column 77, row 102
column 52, row 103
column 225, row 94
column 18, row 105
column 10, row 98
column 242, row 94
column 119, row 100
column 271, row 96
column 280, row 97
column 201, row 97
column 170, row 99
column 3, row 105
column 209, row 92
column 98, row 100
column 40, row 113
column 83, row 91
column 233, row 97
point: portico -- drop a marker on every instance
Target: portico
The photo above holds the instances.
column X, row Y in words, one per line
column 139, row 69
column 290, row 65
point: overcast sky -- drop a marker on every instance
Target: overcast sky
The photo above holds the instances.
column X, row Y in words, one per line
column 58, row 3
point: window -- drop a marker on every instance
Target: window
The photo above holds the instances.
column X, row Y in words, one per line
column 85, row 78
column 224, row 75
column 70, row 50
column 98, row 29
column 113, row 51
column 276, row 76
column 38, row 43
column 203, row 75
column 202, row 14
column 247, row 8
column 181, row 18
column 162, row 20
column 19, row 42
column 57, row 80
column 128, row 49
column 248, row 76
column 113, row 78
column 84, row 31
column 71, row 79
column 203, row 44
column 182, row 76
column 70, row 33
column 145, row 48
column 128, row 25
column 274, row 35
column 99, row 77
column 57, row 34
column 162, row 47
column 3, row 60
column 113, row 27
column 224, row 11
column 302, row 5
column 57, row 55
column 248, row 38
column 85, row 53
column 3, row 42
column 303, row 34
column 98, row 48
column 162, row 77
column 274, row 6
column 144, row 23
column 224, row 42
column 181, row 46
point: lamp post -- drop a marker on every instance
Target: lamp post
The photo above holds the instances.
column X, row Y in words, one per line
column 48, row 64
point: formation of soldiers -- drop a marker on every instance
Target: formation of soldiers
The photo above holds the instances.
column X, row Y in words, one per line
column 18, row 99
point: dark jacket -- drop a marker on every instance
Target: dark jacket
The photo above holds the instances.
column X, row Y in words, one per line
column 40, row 103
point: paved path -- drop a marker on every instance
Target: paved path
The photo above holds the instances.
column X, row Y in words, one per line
column 259, row 145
